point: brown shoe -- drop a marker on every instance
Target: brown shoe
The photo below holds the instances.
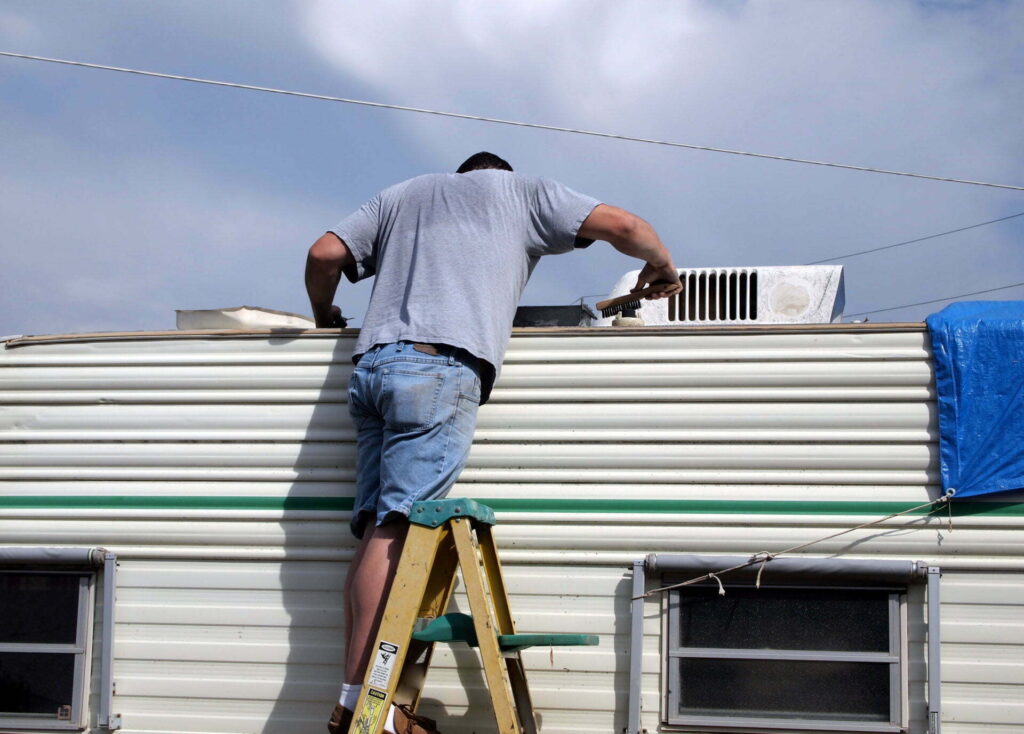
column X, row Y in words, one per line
column 341, row 720
column 409, row 722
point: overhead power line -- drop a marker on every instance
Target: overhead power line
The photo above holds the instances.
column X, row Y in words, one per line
column 919, row 239
column 515, row 123
column 937, row 300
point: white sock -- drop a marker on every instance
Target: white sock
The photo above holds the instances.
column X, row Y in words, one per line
column 389, row 723
column 350, row 695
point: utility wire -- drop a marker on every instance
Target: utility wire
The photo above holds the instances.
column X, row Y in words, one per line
column 937, row 300
column 919, row 239
column 480, row 118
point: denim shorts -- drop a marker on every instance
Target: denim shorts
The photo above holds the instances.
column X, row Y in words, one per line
column 414, row 415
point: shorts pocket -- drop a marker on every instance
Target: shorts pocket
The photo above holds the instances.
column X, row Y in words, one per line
column 410, row 396
column 357, row 407
column 470, row 387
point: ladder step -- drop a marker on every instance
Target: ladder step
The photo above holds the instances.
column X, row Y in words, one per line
column 458, row 627
column 435, row 513
column 511, row 643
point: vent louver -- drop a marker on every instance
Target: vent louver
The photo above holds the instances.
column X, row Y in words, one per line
column 716, row 295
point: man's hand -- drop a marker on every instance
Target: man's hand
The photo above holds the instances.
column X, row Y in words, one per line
column 337, row 321
column 328, row 256
column 660, row 273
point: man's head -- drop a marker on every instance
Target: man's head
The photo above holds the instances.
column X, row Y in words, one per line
column 482, row 160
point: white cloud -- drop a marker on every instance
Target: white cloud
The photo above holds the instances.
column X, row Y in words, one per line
column 881, row 82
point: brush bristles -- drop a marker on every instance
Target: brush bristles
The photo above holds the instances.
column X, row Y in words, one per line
column 627, row 306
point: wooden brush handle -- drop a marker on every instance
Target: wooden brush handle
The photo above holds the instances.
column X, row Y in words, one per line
column 634, row 296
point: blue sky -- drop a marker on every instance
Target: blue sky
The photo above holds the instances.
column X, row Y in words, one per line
column 124, row 198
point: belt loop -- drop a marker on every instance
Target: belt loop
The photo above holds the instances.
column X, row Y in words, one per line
column 400, row 345
column 451, row 357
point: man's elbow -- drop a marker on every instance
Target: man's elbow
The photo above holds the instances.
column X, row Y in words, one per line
column 329, row 253
column 627, row 226
column 622, row 227
column 611, row 224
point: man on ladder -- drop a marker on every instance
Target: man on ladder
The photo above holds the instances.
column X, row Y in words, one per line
column 451, row 254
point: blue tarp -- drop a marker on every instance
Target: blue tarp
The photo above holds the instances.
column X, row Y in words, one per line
column 978, row 352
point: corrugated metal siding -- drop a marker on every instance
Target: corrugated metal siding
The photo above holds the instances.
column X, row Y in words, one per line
column 229, row 614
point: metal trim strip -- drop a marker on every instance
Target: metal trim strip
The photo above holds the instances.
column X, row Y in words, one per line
column 106, row 719
column 934, row 647
column 506, row 504
column 636, row 648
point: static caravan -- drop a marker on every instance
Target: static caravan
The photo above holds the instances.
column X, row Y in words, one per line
column 173, row 534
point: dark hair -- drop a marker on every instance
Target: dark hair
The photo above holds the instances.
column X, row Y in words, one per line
column 483, row 160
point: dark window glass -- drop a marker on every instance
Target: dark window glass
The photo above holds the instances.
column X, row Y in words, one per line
column 784, row 689
column 785, row 619
column 35, row 683
column 38, row 607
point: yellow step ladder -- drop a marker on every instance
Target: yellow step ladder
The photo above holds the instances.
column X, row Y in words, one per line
column 445, row 535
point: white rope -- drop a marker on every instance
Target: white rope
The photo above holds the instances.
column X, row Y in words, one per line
column 767, row 557
column 515, row 123
column 763, row 557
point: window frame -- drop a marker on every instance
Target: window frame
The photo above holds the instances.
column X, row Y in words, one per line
column 102, row 564
column 896, row 657
column 81, row 649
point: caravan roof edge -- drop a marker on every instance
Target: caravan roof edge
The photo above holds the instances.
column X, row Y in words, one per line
column 110, row 336
column 107, row 336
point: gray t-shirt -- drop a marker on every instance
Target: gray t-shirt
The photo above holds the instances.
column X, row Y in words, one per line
column 452, row 252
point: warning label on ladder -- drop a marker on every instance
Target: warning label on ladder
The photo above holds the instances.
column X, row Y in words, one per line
column 383, row 665
column 372, row 711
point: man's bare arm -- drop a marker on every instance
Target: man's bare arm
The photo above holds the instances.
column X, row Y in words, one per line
column 631, row 235
column 328, row 256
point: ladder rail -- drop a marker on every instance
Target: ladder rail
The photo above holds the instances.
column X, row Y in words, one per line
column 440, row 587
column 482, row 608
column 506, row 625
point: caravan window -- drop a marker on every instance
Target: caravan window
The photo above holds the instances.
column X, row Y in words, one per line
column 45, row 621
column 794, row 657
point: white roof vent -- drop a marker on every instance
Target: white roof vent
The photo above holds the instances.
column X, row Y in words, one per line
column 797, row 294
column 241, row 317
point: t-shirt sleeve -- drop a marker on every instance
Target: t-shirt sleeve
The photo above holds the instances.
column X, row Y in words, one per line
column 360, row 231
column 558, row 212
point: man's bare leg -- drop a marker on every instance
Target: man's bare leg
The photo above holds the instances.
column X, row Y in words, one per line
column 353, row 570
column 366, row 589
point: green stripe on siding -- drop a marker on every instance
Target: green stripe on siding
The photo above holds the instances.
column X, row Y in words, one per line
column 577, row 506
